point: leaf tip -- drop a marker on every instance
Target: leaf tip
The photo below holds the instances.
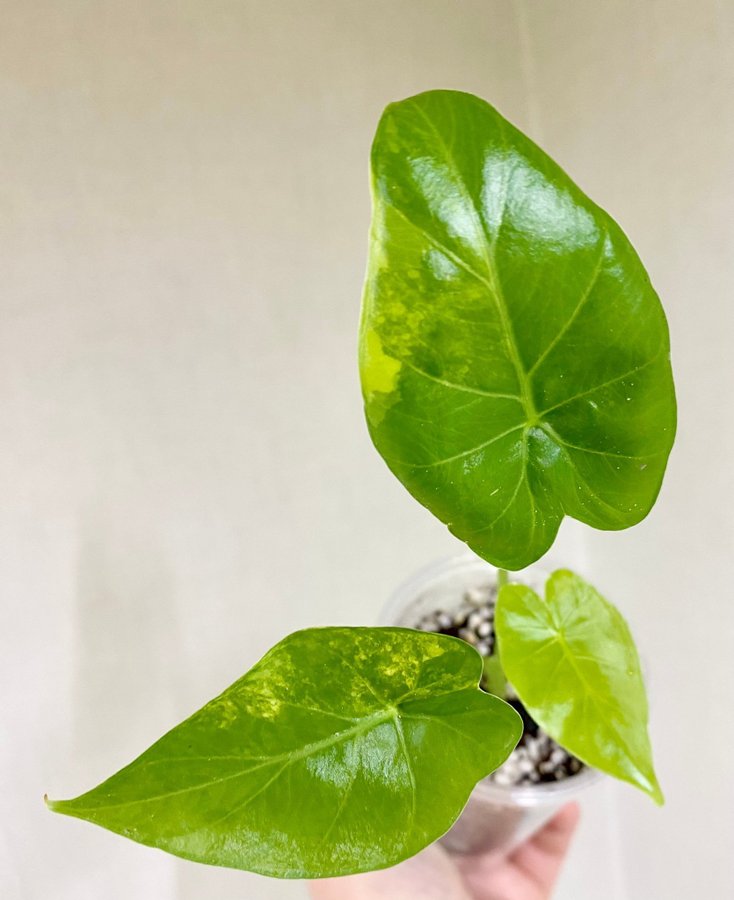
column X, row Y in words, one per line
column 656, row 793
column 649, row 784
column 56, row 806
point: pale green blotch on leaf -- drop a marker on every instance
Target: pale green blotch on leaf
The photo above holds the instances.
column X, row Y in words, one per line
column 380, row 372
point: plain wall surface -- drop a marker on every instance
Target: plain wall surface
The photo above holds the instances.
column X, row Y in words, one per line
column 185, row 474
column 638, row 106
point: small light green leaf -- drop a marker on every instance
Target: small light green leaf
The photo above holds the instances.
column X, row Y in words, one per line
column 514, row 356
column 343, row 750
column 573, row 663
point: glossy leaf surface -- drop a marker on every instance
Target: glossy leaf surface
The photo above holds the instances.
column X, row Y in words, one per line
column 343, row 750
column 514, row 357
column 573, row 663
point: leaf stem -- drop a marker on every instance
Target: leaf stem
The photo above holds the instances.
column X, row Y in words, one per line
column 494, row 676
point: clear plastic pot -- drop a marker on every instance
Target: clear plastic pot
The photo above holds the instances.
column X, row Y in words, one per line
column 496, row 818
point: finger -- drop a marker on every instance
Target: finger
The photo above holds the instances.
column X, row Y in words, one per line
column 555, row 837
column 431, row 875
column 541, row 857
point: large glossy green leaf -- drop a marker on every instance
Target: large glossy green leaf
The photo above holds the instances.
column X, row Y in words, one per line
column 343, row 750
column 514, row 356
column 573, row 663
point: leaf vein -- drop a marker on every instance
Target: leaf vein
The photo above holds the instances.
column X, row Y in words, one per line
column 574, row 315
column 598, row 387
column 448, row 459
column 462, row 387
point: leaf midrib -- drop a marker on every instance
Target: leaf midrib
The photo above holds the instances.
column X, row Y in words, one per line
column 290, row 757
column 493, row 281
column 566, row 655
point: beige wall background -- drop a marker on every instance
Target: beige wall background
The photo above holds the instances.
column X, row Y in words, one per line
column 184, row 470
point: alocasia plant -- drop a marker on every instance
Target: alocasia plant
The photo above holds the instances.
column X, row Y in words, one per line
column 515, row 369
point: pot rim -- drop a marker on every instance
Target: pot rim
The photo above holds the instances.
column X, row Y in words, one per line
column 408, row 593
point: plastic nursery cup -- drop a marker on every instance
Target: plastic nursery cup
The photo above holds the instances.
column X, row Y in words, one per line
column 496, row 818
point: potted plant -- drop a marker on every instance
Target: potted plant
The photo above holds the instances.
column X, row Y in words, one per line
column 458, row 597
column 515, row 369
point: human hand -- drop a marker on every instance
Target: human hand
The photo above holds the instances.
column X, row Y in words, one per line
column 527, row 873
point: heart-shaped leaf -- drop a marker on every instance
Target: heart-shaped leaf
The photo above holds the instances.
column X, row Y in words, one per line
column 343, row 750
column 514, row 356
column 573, row 663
